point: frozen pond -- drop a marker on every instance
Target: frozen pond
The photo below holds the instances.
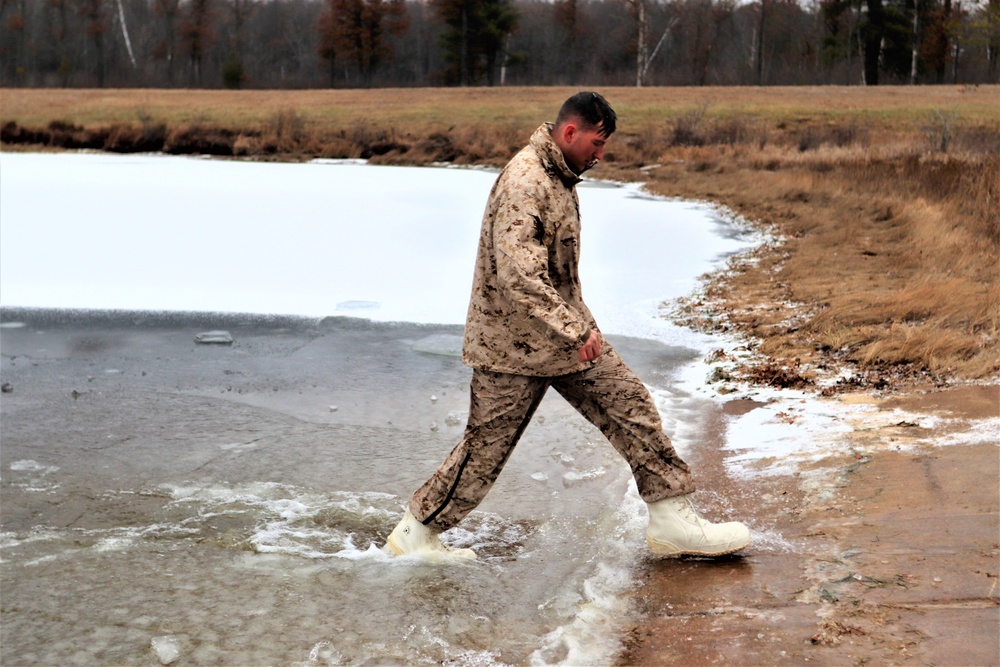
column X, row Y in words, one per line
column 228, row 503
column 385, row 243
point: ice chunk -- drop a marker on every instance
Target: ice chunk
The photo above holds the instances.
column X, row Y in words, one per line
column 574, row 476
column 167, row 648
column 448, row 345
column 32, row 466
column 214, row 338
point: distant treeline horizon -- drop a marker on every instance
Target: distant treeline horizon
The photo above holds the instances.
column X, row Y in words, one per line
column 410, row 43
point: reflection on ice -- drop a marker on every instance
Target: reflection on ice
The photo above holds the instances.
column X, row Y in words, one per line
column 448, row 345
column 358, row 305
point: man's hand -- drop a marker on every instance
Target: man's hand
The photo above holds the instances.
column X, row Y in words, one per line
column 592, row 348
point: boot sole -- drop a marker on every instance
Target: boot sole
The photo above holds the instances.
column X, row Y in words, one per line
column 391, row 543
column 449, row 555
column 664, row 550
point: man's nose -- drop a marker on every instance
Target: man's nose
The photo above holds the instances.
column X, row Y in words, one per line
column 599, row 154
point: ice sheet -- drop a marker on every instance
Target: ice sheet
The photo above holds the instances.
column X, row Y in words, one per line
column 174, row 233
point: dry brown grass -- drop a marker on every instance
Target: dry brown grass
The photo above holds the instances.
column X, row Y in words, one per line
column 889, row 263
column 887, row 198
column 421, row 111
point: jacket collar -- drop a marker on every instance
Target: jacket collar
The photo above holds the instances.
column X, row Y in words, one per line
column 552, row 156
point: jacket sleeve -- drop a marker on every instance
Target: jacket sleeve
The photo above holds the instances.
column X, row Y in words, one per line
column 522, row 259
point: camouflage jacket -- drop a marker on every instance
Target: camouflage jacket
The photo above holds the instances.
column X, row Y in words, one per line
column 527, row 315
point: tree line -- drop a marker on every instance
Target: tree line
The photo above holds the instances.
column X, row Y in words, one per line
column 381, row 43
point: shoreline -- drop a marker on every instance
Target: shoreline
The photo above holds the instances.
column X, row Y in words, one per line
column 877, row 543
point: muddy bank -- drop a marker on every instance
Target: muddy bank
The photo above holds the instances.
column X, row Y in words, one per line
column 894, row 560
column 284, row 143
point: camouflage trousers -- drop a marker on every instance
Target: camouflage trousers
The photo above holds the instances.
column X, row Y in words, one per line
column 608, row 394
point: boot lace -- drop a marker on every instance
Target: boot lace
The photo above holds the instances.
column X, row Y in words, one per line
column 689, row 513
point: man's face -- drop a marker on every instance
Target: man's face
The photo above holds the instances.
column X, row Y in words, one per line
column 582, row 148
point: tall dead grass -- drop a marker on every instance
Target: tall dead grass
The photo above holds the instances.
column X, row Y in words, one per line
column 892, row 256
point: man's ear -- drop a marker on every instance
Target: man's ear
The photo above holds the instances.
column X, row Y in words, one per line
column 569, row 132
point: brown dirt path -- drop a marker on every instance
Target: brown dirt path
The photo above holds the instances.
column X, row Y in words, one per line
column 895, row 556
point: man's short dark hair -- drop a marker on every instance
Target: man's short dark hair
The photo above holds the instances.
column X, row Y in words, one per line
column 592, row 109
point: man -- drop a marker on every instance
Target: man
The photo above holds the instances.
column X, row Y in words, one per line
column 528, row 329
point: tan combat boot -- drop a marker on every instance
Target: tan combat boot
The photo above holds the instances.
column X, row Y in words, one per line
column 675, row 529
column 412, row 538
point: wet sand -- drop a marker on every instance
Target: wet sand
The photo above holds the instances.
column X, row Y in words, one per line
column 888, row 553
column 895, row 560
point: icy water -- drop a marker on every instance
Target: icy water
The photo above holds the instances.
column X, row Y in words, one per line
column 228, row 504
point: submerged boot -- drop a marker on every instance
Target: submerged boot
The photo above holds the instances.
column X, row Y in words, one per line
column 675, row 529
column 412, row 538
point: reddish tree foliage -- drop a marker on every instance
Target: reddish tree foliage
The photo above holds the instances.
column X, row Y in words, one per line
column 326, row 26
column 355, row 29
column 166, row 48
column 197, row 32
column 96, row 22
column 15, row 22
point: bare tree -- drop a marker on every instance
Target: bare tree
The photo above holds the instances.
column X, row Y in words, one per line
column 643, row 12
column 326, row 26
column 873, row 35
column 17, row 24
column 992, row 30
column 95, row 24
column 197, row 32
column 166, row 49
column 128, row 42
column 239, row 13
column 759, row 41
column 59, row 32
column 566, row 14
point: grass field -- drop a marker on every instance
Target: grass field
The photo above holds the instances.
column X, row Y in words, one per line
column 887, row 199
column 421, row 110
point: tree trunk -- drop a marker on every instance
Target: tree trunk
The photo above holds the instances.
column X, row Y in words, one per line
column 993, row 47
column 128, row 42
column 640, row 51
column 503, row 61
column 759, row 50
column 915, row 53
column 956, row 45
column 463, row 73
column 873, row 33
